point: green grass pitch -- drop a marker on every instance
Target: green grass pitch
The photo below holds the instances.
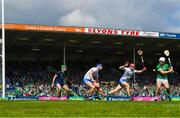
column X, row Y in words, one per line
column 88, row 109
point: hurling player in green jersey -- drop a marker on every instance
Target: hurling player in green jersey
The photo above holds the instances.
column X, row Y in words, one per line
column 163, row 70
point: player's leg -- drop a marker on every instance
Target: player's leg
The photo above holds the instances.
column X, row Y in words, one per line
column 127, row 87
column 166, row 85
column 92, row 88
column 158, row 87
column 58, row 90
column 68, row 90
column 117, row 89
column 51, row 90
column 97, row 86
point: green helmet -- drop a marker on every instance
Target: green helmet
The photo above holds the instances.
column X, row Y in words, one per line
column 63, row 66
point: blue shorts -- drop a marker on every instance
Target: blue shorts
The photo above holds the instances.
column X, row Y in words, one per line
column 61, row 82
column 122, row 81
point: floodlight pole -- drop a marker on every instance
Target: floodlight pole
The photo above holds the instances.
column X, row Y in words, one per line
column 64, row 52
column 3, row 52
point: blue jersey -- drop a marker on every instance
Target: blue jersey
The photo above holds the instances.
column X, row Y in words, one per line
column 60, row 79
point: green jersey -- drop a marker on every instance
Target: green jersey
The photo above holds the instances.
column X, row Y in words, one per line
column 164, row 67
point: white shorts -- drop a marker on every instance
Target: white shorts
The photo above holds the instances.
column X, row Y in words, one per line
column 86, row 79
column 162, row 81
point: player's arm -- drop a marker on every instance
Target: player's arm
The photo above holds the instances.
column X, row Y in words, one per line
column 166, row 72
column 54, row 78
column 141, row 71
column 91, row 75
column 171, row 69
column 124, row 66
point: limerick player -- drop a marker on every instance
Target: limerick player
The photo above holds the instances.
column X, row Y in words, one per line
column 129, row 71
column 59, row 81
column 91, row 80
column 163, row 70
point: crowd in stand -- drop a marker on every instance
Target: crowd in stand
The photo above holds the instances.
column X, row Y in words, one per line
column 34, row 79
